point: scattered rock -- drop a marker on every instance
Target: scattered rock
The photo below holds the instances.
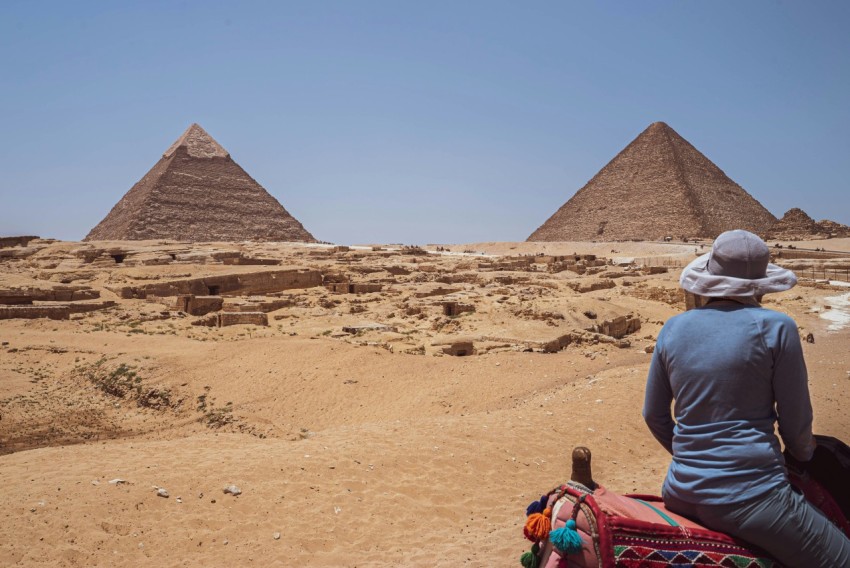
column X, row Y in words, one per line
column 161, row 492
column 649, row 348
column 276, row 536
column 116, row 481
column 233, row 490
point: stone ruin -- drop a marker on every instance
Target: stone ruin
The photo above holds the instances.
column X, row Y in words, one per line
column 409, row 303
column 797, row 225
column 56, row 302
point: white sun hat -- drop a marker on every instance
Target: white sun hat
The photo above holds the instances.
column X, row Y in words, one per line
column 737, row 266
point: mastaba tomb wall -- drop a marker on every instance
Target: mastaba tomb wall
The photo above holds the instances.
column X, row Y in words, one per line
column 229, row 284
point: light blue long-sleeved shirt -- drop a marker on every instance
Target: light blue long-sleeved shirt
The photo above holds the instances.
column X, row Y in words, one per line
column 733, row 370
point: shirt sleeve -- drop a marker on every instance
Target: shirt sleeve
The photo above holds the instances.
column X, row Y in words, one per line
column 659, row 396
column 791, row 391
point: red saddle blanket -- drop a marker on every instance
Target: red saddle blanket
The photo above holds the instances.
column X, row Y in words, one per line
column 637, row 531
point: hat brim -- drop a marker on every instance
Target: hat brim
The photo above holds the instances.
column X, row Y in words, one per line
column 698, row 280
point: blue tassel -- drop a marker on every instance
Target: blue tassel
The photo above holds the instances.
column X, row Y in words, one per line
column 537, row 506
column 566, row 539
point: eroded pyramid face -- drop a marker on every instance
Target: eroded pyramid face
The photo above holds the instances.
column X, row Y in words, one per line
column 658, row 186
column 196, row 192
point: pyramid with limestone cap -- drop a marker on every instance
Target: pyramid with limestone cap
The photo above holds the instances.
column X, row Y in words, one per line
column 659, row 185
column 196, row 192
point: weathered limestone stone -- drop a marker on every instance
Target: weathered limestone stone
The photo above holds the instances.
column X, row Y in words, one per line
column 452, row 309
column 53, row 311
column 257, row 305
column 55, row 294
column 618, row 327
column 584, row 286
column 362, row 327
column 435, row 291
column 242, row 318
column 196, row 192
column 198, row 305
column 7, row 242
column 246, row 283
column 353, row 288
column 659, row 185
column 32, row 312
column 460, row 349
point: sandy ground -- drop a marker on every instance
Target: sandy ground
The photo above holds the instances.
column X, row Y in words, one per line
column 353, row 453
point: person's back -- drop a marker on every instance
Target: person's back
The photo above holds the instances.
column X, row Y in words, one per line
column 733, row 370
column 720, row 361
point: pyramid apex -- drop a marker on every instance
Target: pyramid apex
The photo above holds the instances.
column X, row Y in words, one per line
column 198, row 143
column 659, row 125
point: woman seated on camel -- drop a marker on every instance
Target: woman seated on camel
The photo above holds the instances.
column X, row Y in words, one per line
column 734, row 370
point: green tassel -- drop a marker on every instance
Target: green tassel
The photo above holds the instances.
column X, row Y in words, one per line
column 531, row 559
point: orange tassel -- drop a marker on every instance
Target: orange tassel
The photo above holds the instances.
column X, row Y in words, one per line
column 538, row 525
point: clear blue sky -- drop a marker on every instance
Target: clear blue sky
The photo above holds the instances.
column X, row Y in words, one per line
column 410, row 121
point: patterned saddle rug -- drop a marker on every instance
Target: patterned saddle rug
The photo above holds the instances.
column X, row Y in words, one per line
column 627, row 531
column 573, row 526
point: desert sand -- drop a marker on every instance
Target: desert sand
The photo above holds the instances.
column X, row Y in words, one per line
column 372, row 448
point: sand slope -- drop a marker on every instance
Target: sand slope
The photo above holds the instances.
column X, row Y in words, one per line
column 356, row 455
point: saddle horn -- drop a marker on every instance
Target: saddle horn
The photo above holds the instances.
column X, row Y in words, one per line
column 581, row 468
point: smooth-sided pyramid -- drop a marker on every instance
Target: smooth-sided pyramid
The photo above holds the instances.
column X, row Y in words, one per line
column 196, row 192
column 658, row 186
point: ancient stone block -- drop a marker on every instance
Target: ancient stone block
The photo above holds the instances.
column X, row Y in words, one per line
column 210, row 320
column 199, row 305
column 229, row 284
column 55, row 294
column 363, row 327
column 557, row 344
column 618, row 327
column 460, row 349
column 353, row 288
column 242, row 318
column 452, row 309
column 436, row 291
column 584, row 286
column 52, row 311
column 33, row 312
column 398, row 270
column 15, row 296
column 7, row 242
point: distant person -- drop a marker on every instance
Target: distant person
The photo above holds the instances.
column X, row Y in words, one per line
column 733, row 370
